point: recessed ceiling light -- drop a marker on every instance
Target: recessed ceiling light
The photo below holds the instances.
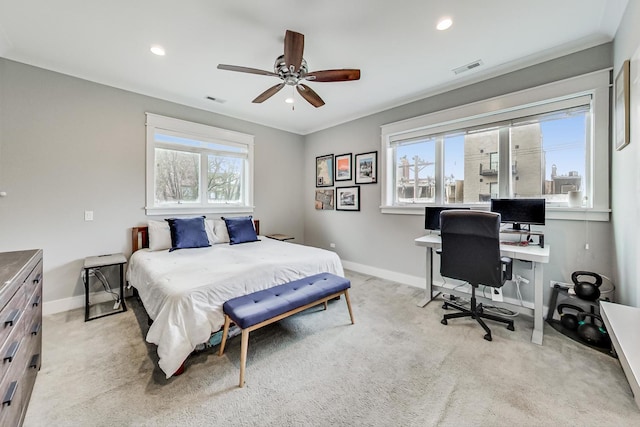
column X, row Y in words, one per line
column 158, row 50
column 444, row 24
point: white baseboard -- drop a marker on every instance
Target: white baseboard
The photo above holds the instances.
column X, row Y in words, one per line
column 66, row 304
column 406, row 279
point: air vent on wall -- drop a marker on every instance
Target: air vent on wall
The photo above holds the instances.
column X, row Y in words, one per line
column 469, row 66
column 214, row 99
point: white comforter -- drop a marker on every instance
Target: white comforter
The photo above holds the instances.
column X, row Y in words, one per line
column 183, row 291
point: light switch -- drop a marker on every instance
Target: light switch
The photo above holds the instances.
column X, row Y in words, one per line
column 88, row 215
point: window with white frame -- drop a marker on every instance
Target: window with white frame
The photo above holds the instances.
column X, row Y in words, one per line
column 195, row 168
column 544, row 142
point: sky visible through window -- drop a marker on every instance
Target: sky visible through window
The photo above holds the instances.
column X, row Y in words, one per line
column 563, row 143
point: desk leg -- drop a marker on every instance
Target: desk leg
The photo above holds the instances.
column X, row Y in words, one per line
column 428, row 291
column 538, row 308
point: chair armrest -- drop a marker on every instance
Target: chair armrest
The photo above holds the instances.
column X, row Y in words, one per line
column 507, row 270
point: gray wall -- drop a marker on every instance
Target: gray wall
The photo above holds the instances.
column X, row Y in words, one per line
column 69, row 145
column 625, row 173
column 372, row 240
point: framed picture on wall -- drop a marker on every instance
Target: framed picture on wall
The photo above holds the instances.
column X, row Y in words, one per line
column 348, row 198
column 324, row 171
column 622, row 107
column 324, row 199
column 343, row 167
column 366, row 165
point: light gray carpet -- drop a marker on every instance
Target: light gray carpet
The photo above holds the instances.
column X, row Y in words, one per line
column 397, row 366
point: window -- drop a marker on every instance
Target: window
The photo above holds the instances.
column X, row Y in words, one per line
column 414, row 171
column 543, row 142
column 194, row 168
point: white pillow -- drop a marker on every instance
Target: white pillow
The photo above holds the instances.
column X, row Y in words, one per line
column 220, row 230
column 209, row 226
column 159, row 235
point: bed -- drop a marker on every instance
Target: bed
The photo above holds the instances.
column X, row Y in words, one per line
column 183, row 291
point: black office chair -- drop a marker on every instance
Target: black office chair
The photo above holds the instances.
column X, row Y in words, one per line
column 471, row 252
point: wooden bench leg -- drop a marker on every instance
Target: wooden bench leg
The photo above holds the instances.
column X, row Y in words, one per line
column 225, row 332
column 346, row 297
column 243, row 354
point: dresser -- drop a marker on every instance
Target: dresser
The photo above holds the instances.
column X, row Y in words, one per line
column 20, row 331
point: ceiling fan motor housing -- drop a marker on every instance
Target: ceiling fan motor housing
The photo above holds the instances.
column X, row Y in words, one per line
column 290, row 77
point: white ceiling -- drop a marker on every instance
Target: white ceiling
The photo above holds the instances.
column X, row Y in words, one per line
column 395, row 44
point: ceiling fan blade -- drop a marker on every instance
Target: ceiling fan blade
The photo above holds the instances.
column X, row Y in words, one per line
column 268, row 93
column 307, row 93
column 246, row 70
column 334, row 75
column 293, row 50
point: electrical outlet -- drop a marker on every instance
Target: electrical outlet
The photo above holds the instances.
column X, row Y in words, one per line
column 496, row 295
column 88, row 215
column 333, row 245
column 564, row 285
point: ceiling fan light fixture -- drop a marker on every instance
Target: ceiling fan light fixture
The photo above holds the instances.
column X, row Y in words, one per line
column 157, row 50
column 444, row 23
column 292, row 69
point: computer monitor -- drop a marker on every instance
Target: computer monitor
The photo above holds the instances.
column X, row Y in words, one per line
column 432, row 216
column 520, row 211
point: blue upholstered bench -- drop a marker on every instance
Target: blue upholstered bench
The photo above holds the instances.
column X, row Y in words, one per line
column 261, row 308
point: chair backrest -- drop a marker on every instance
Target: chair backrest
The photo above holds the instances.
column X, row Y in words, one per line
column 471, row 247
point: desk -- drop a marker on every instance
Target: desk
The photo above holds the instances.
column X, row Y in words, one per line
column 535, row 254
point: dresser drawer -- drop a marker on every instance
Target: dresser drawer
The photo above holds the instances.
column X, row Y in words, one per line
column 13, row 353
column 12, row 315
column 33, row 281
column 33, row 344
column 12, row 395
column 11, row 392
column 33, row 361
column 32, row 309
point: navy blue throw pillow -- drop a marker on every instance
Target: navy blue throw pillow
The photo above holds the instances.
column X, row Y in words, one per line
column 241, row 229
column 188, row 233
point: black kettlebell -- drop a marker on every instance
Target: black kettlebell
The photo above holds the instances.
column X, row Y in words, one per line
column 586, row 290
column 592, row 333
column 569, row 320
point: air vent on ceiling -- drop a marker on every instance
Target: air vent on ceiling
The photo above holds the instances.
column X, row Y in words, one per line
column 214, row 99
column 469, row 66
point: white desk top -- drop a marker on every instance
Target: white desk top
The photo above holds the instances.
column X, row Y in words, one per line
column 526, row 253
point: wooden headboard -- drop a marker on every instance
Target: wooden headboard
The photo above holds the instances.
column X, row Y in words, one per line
column 140, row 236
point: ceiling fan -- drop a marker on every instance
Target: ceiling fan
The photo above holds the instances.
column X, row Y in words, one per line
column 292, row 69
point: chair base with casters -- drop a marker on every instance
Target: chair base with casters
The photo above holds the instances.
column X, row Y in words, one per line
column 476, row 311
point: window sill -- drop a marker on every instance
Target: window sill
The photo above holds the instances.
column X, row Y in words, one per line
column 198, row 210
column 559, row 213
